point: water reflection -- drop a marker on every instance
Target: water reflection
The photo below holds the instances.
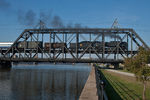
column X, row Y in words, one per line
column 48, row 82
column 5, row 85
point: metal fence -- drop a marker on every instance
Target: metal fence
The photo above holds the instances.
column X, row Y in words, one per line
column 100, row 85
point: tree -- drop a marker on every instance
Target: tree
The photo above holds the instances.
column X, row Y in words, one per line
column 139, row 66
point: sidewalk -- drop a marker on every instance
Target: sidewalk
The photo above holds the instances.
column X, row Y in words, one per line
column 119, row 72
column 90, row 91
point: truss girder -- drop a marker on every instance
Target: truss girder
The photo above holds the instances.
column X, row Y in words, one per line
column 74, row 35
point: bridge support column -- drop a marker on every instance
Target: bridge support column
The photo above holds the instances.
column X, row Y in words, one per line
column 5, row 64
column 116, row 65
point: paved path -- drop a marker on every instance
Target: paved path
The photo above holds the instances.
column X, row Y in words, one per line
column 90, row 91
column 123, row 73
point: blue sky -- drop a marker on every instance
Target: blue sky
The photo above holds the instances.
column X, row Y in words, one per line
column 92, row 13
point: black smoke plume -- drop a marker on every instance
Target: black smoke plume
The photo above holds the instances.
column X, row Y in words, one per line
column 57, row 22
column 45, row 17
column 31, row 18
column 27, row 18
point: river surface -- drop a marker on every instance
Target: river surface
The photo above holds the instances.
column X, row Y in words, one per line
column 43, row 82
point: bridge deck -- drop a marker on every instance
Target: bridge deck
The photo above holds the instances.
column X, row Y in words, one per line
column 67, row 60
column 79, row 51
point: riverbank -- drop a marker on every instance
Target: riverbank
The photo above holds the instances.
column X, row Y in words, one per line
column 123, row 85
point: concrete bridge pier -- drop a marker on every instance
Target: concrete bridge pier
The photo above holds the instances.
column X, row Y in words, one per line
column 116, row 65
column 5, row 64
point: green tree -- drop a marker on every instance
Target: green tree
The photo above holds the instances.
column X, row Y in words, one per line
column 139, row 66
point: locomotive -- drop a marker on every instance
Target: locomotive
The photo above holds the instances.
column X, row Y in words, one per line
column 97, row 45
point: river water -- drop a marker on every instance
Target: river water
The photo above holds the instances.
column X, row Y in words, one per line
column 43, row 82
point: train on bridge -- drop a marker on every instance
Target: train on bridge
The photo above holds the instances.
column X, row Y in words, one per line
column 97, row 45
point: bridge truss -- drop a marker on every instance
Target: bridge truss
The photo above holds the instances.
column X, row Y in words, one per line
column 66, row 36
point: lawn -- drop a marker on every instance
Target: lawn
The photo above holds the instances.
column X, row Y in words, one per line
column 121, row 87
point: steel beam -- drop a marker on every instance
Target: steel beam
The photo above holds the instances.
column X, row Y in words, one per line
column 74, row 34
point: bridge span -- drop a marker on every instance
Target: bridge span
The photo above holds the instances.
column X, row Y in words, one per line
column 74, row 45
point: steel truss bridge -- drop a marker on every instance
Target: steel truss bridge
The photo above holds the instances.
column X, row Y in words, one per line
column 71, row 35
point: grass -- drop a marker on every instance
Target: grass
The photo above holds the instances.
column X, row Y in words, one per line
column 121, row 87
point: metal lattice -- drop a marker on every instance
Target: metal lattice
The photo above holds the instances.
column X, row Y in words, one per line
column 98, row 45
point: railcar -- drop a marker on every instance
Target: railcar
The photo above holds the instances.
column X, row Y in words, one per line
column 29, row 45
column 48, row 45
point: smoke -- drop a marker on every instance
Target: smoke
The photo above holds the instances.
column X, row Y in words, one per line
column 33, row 19
column 27, row 18
column 57, row 22
column 30, row 17
column 45, row 17
column 4, row 5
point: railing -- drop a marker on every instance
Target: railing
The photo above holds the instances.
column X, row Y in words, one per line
column 100, row 85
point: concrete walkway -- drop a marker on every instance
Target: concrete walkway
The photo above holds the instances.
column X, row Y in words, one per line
column 123, row 73
column 90, row 91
